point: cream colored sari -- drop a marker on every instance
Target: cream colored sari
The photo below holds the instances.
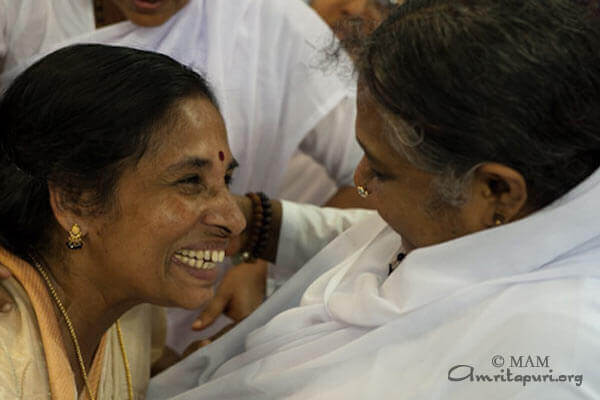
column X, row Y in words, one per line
column 33, row 359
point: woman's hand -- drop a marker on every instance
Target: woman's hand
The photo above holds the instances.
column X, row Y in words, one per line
column 198, row 344
column 6, row 302
column 241, row 291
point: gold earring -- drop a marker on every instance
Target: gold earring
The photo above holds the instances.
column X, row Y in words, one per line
column 75, row 241
column 498, row 219
column 362, row 191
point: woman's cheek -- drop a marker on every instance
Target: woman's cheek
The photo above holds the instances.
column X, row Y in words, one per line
column 177, row 211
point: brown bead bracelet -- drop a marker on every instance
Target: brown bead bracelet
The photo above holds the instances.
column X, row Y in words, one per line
column 258, row 234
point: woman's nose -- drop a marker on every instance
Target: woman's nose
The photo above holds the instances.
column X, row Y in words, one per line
column 226, row 214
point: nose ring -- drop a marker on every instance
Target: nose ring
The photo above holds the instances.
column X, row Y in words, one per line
column 362, row 192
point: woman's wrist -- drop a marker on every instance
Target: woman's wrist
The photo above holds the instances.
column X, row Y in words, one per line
column 259, row 214
column 270, row 251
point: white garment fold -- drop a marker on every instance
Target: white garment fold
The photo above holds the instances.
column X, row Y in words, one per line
column 484, row 303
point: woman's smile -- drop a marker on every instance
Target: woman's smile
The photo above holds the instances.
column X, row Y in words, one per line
column 201, row 264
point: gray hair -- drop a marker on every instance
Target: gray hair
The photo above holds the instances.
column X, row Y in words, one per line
column 460, row 83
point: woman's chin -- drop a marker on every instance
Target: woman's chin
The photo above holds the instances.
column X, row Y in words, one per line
column 194, row 299
column 196, row 285
column 147, row 20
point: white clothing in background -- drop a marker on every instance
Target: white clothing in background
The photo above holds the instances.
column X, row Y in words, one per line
column 300, row 181
column 511, row 312
column 307, row 181
column 30, row 26
column 265, row 62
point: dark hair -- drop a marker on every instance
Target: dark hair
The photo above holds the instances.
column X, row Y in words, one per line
column 472, row 81
column 75, row 118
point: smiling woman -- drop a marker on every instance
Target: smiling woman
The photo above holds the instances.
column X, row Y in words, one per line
column 141, row 199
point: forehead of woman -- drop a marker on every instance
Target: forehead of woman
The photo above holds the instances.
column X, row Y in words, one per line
column 192, row 127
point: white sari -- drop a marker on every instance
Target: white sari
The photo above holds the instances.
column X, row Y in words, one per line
column 509, row 312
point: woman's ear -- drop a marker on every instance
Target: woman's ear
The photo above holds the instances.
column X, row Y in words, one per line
column 65, row 212
column 504, row 190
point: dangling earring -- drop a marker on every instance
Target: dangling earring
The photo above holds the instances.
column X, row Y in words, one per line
column 362, row 192
column 75, row 241
column 498, row 219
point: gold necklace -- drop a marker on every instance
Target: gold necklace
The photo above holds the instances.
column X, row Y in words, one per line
column 63, row 311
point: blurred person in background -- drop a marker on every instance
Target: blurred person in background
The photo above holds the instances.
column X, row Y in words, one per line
column 334, row 12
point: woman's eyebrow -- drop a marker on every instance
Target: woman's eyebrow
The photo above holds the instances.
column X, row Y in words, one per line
column 191, row 162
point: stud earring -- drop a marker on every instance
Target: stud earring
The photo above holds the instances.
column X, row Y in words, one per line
column 362, row 191
column 498, row 219
column 75, row 240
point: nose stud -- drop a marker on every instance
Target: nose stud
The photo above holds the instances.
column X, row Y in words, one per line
column 362, row 192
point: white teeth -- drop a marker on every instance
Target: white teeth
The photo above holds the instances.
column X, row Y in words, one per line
column 204, row 259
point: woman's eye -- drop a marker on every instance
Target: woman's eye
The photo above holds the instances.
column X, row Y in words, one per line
column 190, row 180
column 192, row 184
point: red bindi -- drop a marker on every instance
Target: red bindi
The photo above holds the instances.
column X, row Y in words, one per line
column 221, row 156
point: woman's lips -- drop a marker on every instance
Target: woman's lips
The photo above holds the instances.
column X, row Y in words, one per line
column 202, row 270
column 201, row 264
column 147, row 5
column 207, row 275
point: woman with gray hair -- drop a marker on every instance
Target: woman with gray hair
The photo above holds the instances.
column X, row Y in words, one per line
column 479, row 277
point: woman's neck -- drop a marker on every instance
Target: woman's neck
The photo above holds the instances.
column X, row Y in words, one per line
column 90, row 309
